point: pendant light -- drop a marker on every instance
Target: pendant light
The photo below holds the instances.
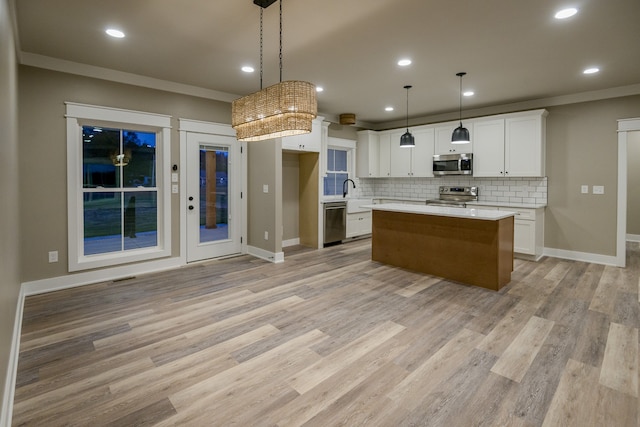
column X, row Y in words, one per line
column 284, row 109
column 407, row 140
column 460, row 134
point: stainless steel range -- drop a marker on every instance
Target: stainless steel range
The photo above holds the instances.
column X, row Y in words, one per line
column 455, row 196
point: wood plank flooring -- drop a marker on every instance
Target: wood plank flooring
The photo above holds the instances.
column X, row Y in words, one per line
column 331, row 338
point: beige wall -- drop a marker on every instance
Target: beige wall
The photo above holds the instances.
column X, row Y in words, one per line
column 43, row 201
column 9, row 181
column 290, row 195
column 582, row 147
column 633, row 183
column 265, row 209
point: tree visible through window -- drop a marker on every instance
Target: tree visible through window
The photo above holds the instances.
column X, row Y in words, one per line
column 337, row 172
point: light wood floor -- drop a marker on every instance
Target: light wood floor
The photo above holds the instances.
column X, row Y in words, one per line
column 331, row 338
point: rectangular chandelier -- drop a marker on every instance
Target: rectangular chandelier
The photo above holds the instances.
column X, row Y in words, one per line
column 284, row 109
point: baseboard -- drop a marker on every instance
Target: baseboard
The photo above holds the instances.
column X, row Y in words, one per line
column 107, row 274
column 266, row 255
column 581, row 256
column 290, row 242
column 633, row 237
column 12, row 368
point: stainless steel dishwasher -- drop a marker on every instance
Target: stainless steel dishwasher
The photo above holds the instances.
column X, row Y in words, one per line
column 335, row 221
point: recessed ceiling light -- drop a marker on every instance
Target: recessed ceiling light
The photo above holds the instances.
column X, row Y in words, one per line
column 115, row 33
column 247, row 69
column 319, row 89
column 591, row 70
column 388, row 108
column 468, row 93
column 566, row 13
column 404, row 62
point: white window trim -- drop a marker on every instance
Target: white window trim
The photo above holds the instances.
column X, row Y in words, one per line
column 79, row 114
column 347, row 145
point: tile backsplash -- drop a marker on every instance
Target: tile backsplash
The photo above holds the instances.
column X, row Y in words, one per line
column 504, row 190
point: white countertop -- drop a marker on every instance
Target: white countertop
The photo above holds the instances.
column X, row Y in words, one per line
column 471, row 213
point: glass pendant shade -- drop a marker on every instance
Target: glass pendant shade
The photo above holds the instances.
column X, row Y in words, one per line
column 407, row 140
column 460, row 135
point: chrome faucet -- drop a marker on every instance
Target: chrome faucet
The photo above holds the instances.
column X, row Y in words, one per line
column 345, row 187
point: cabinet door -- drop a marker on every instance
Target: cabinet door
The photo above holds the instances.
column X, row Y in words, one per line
column 524, row 153
column 422, row 155
column 488, row 148
column 384, row 166
column 367, row 155
column 400, row 157
column 305, row 142
column 524, row 237
column 443, row 144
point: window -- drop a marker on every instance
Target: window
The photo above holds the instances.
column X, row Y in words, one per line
column 340, row 164
column 337, row 171
column 117, row 186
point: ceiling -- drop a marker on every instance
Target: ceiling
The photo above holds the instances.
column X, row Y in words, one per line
column 512, row 51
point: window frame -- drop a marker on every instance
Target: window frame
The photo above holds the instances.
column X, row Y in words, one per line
column 78, row 115
column 347, row 145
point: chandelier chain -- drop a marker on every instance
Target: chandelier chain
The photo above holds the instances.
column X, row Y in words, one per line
column 280, row 41
column 261, row 48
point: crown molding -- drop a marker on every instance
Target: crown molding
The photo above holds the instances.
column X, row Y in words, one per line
column 596, row 95
column 64, row 66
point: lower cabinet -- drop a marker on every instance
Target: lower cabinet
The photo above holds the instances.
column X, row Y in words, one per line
column 528, row 231
column 358, row 224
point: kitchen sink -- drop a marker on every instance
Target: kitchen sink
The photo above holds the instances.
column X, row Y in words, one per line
column 356, row 205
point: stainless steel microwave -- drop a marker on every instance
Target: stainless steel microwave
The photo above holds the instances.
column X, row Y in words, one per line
column 453, row 164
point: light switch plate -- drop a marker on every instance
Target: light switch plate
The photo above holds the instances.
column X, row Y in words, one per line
column 174, row 177
column 174, row 188
column 584, row 189
column 53, row 256
column 598, row 189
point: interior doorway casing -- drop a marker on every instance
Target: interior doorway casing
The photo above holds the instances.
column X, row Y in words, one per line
column 624, row 127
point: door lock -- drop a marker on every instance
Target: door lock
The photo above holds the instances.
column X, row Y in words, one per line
column 190, row 207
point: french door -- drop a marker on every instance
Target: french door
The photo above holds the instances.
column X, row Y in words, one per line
column 213, row 196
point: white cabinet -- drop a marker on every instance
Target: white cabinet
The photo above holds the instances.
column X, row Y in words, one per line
column 384, row 157
column 305, row 142
column 359, row 224
column 524, row 141
column 511, row 146
column 443, row 133
column 367, row 154
column 488, row 148
column 416, row 161
column 528, row 231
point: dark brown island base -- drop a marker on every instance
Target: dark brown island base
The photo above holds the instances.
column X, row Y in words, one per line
column 472, row 246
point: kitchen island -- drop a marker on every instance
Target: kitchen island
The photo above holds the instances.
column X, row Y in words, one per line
column 472, row 246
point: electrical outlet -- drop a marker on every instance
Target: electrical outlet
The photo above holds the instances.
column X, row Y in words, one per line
column 265, row 188
column 598, row 189
column 174, row 177
column 53, row 256
column 174, row 188
column 266, row 235
column 584, row 189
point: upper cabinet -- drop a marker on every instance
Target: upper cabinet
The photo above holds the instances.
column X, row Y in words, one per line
column 367, row 154
column 443, row 133
column 416, row 161
column 503, row 145
column 513, row 145
column 384, row 164
column 305, row 142
column 524, row 142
